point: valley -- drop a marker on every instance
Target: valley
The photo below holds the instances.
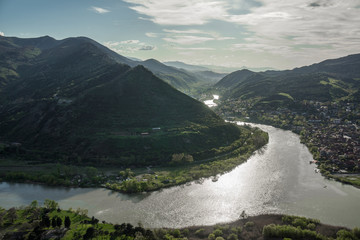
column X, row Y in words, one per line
column 94, row 126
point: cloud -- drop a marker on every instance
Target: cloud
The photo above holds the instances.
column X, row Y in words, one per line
column 176, row 12
column 151, row 35
column 319, row 28
column 192, row 36
column 187, row 40
column 129, row 46
column 147, row 48
column 297, row 29
column 195, row 49
column 99, row 10
column 2, row 34
column 130, row 42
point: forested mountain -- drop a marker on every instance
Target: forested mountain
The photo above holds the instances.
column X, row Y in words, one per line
column 73, row 100
column 180, row 79
column 330, row 80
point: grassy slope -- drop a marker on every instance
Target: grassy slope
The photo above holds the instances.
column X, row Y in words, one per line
column 330, row 80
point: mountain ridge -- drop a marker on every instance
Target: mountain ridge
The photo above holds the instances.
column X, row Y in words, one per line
column 329, row 80
column 74, row 102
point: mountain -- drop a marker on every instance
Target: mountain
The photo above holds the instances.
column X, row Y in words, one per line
column 180, row 79
column 210, row 76
column 188, row 67
column 343, row 67
column 330, row 80
column 72, row 101
column 235, row 78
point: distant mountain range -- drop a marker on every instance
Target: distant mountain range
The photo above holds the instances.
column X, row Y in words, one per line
column 74, row 100
column 330, row 80
column 212, row 68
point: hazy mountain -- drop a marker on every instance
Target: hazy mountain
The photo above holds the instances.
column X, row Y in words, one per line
column 326, row 81
column 209, row 76
column 71, row 100
column 180, row 78
column 188, row 67
column 235, row 78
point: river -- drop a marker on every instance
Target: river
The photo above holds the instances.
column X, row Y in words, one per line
column 211, row 103
column 278, row 179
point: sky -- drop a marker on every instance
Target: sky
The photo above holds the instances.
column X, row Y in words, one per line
column 280, row 34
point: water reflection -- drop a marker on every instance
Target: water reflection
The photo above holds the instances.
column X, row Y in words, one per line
column 278, row 179
column 211, row 103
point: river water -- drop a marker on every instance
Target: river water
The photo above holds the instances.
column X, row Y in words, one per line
column 211, row 103
column 277, row 179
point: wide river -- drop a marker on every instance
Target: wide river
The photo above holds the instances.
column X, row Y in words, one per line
column 279, row 179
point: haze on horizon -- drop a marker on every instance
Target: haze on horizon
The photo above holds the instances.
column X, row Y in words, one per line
column 230, row 33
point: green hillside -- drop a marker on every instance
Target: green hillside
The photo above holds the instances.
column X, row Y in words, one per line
column 73, row 102
column 331, row 80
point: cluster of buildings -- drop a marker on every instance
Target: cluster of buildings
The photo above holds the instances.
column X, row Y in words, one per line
column 329, row 128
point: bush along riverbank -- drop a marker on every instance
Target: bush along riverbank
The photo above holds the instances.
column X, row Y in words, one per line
column 183, row 168
column 51, row 222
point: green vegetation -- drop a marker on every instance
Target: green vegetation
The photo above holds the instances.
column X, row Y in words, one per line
column 180, row 170
column 34, row 222
column 97, row 112
column 286, row 95
column 303, row 228
column 325, row 81
column 50, row 222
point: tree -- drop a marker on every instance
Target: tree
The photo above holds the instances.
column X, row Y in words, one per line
column 45, row 221
column 58, row 222
column 243, row 214
column 34, row 204
column 91, row 172
column 67, row 222
column 89, row 233
column 51, row 204
column 53, row 222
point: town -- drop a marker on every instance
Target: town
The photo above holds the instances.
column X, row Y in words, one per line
column 329, row 130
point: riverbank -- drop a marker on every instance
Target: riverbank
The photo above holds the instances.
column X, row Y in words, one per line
column 136, row 179
column 327, row 168
column 48, row 221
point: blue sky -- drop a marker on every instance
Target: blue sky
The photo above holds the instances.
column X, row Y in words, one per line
column 232, row 33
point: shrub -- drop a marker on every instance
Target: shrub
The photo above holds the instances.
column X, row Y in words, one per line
column 311, row 226
column 218, row 233
column 232, row 236
column 344, row 235
column 200, row 232
column 176, row 233
column 185, row 232
column 249, row 225
column 211, row 236
column 299, row 222
column 356, row 232
column 219, row 238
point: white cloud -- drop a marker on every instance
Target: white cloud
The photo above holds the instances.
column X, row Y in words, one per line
column 151, row 34
column 2, row 34
column 192, row 36
column 130, row 42
column 129, row 46
column 299, row 29
column 195, row 49
column 176, row 12
column 187, row 40
column 99, row 10
column 307, row 29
